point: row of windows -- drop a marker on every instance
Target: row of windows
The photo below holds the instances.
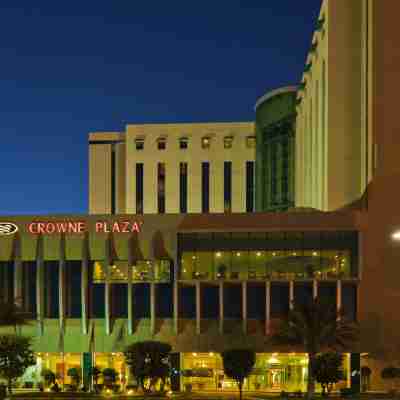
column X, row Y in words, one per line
column 205, row 187
column 205, row 142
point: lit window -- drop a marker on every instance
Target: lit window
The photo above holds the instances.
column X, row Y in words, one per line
column 251, row 141
column 205, row 142
column 162, row 143
column 228, row 142
column 183, row 143
column 139, row 144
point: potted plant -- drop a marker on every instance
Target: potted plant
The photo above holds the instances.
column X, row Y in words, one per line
column 110, row 377
column 75, row 375
column 49, row 377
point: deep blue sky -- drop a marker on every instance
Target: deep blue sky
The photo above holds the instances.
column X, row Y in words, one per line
column 71, row 67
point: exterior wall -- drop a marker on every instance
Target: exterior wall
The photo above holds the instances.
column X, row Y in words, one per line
column 272, row 109
column 330, row 132
column 150, row 156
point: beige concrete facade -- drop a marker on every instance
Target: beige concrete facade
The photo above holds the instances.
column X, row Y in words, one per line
column 334, row 147
column 127, row 156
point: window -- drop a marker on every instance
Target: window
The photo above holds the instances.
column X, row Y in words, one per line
column 183, row 143
column 250, row 186
column 227, row 186
column 161, row 187
column 113, row 178
column 228, row 142
column 139, row 188
column 205, row 142
column 183, row 187
column 251, row 141
column 162, row 143
column 205, row 189
column 139, row 144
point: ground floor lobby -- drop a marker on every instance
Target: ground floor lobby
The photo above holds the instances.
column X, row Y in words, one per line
column 273, row 372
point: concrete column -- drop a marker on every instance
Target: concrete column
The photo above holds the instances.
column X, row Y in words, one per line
column 84, row 285
column 221, row 307
column 244, row 307
column 176, row 307
column 267, row 308
column 39, row 285
column 198, row 308
column 61, row 283
column 315, row 288
column 131, row 262
column 152, row 308
column 339, row 295
column 291, row 295
column 18, row 293
column 107, row 266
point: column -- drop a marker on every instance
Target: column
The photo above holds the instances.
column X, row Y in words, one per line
column 221, row 307
column 339, row 295
column 315, row 288
column 61, row 283
column 291, row 295
column 152, row 308
column 84, row 284
column 198, row 308
column 39, row 284
column 107, row 262
column 244, row 306
column 131, row 262
column 176, row 307
column 267, row 307
column 18, row 293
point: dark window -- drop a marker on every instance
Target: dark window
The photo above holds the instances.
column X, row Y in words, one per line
column 139, row 144
column 205, row 187
column 113, row 178
column 161, row 144
column 183, row 187
column 164, row 303
column 119, row 300
column 249, row 186
column 227, row 186
column 187, row 308
column 141, row 300
column 73, row 282
column 209, row 302
column 51, row 289
column 29, row 285
column 161, row 187
column 183, row 143
column 139, row 188
column 228, row 142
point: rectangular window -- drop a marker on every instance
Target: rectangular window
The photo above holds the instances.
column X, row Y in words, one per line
column 183, row 143
column 205, row 186
column 228, row 142
column 139, row 188
column 162, row 143
column 183, row 187
column 161, row 187
column 249, row 186
column 139, row 144
column 113, row 178
column 251, row 142
column 227, row 186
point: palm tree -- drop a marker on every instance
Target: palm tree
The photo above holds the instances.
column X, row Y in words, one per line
column 11, row 314
column 316, row 326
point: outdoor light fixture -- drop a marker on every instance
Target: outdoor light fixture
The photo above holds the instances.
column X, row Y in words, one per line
column 218, row 254
column 396, row 235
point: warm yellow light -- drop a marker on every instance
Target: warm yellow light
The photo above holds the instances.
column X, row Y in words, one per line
column 396, row 235
column 273, row 254
column 211, row 354
column 218, row 254
column 193, row 257
column 294, row 254
column 130, row 391
column 238, row 254
column 314, row 253
column 258, row 253
column 194, row 354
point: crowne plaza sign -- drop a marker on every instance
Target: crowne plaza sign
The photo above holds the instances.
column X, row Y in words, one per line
column 71, row 227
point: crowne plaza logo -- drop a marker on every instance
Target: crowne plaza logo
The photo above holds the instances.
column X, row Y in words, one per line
column 7, row 228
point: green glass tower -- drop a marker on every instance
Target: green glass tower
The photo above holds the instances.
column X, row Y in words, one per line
column 275, row 153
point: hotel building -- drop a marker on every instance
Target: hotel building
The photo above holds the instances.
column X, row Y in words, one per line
column 201, row 271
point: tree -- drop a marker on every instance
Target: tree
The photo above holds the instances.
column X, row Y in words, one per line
column 238, row 363
column 75, row 375
column 49, row 376
column 149, row 361
column 15, row 357
column 390, row 373
column 110, row 376
column 328, row 370
column 13, row 315
column 316, row 325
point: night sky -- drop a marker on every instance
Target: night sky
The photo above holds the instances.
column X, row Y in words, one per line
column 71, row 67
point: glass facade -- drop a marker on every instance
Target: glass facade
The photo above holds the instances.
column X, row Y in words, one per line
column 273, row 372
column 263, row 256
